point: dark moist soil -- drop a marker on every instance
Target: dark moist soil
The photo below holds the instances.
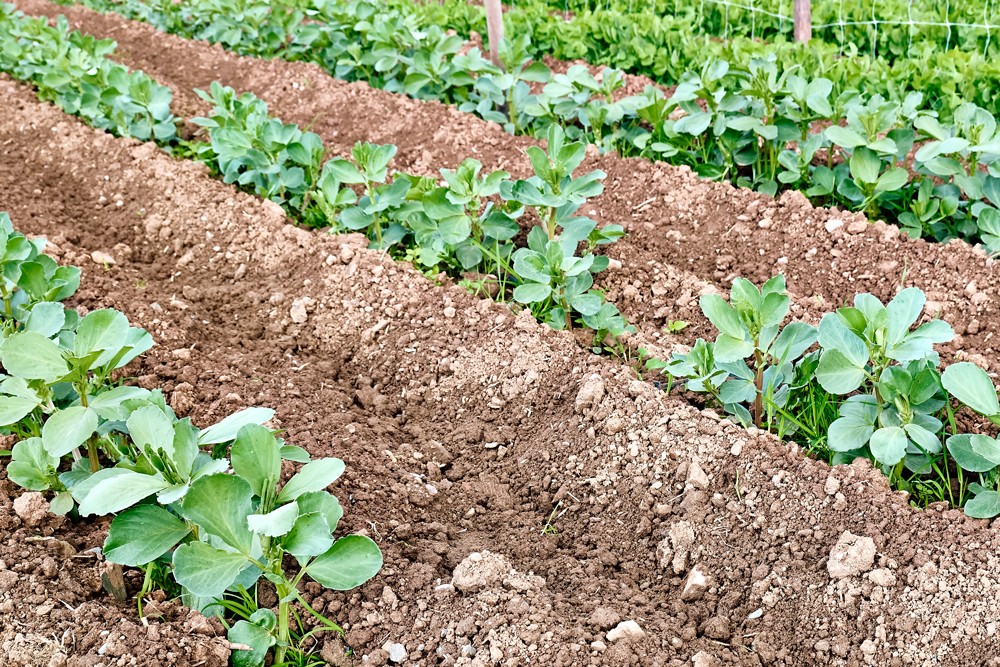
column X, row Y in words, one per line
column 464, row 426
column 465, row 430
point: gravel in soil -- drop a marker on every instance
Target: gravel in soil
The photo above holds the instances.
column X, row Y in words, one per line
column 676, row 536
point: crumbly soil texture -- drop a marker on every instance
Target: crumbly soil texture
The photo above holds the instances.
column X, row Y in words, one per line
column 536, row 504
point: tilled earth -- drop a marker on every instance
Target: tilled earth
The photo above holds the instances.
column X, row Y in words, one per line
column 530, row 498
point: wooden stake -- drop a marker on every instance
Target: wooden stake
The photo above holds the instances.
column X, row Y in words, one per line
column 494, row 28
column 803, row 21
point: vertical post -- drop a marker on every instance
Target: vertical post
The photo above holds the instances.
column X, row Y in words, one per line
column 494, row 28
column 802, row 13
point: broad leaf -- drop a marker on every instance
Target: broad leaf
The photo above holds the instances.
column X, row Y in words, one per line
column 350, row 562
column 314, row 476
column 205, row 570
column 143, row 534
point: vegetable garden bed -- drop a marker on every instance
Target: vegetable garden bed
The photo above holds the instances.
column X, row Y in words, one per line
column 466, row 428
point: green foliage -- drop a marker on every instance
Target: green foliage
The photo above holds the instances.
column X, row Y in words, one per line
column 750, row 122
column 180, row 513
column 73, row 71
column 872, row 388
column 467, row 226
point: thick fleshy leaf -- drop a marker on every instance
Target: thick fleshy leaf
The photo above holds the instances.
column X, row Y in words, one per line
column 849, row 433
column 350, row 562
column 723, row 316
column 67, row 429
column 971, row 385
column 729, row 349
column 32, row 356
column 148, row 426
column 888, row 445
column 15, row 408
column 985, row 505
column 837, row 374
column 227, row 429
column 257, row 638
column 960, row 448
column 310, row 536
column 220, row 504
column 256, row 458
column 205, row 570
column 276, row 522
column 324, row 503
column 143, row 534
column 120, row 492
column 314, row 476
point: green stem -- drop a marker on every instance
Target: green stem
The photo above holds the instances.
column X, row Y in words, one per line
column 284, row 632
column 758, row 401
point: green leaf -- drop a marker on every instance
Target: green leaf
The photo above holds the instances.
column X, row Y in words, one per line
column 310, row 536
column 67, row 429
column 15, row 408
column 62, row 503
column 531, row 293
column 256, row 458
column 143, row 534
column 350, row 562
column 865, row 165
column 102, row 330
column 120, row 492
column 257, row 638
column 729, row 349
column 228, row 428
column 46, row 318
column 205, row 570
column 849, row 433
column 971, row 385
column 985, row 505
column 30, row 465
column 723, row 316
column 888, row 445
column 32, row 356
column 148, row 426
column 220, row 504
column 837, row 374
column 903, row 311
column 314, row 476
column 961, row 449
column 324, row 503
column 108, row 404
column 275, row 523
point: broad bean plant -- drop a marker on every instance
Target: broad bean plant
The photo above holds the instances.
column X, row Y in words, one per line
column 203, row 508
column 464, row 225
column 755, row 121
column 865, row 383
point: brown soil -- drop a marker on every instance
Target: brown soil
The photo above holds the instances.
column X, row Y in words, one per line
column 686, row 235
column 463, row 426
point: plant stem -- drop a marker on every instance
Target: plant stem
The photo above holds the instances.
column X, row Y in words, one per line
column 284, row 634
column 758, row 401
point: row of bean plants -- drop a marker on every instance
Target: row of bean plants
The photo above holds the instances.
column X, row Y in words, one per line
column 892, row 37
column 864, row 383
column 663, row 46
column 758, row 126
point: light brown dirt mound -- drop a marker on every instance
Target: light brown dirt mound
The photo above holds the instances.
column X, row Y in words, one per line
column 686, row 234
column 464, row 427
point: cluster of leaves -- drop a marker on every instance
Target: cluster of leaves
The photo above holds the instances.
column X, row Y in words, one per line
column 833, row 21
column 754, row 125
column 664, row 40
column 203, row 505
column 73, row 71
column 864, row 383
column 464, row 226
